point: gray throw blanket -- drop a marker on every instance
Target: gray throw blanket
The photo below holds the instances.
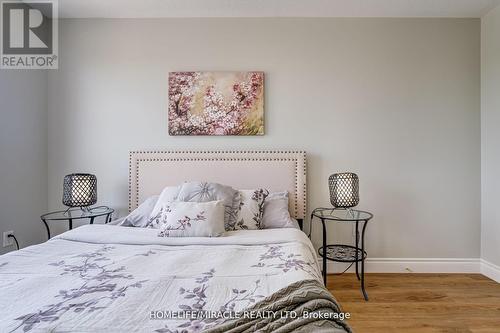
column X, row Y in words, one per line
column 310, row 306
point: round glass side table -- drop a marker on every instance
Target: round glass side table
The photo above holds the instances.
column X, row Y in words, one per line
column 77, row 214
column 341, row 252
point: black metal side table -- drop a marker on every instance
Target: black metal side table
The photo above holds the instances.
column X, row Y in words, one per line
column 77, row 214
column 342, row 252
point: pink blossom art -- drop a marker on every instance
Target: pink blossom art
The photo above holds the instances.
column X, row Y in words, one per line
column 216, row 103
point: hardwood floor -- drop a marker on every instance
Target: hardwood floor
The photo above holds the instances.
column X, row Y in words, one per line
column 421, row 303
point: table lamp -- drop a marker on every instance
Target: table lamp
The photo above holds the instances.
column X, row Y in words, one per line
column 344, row 189
column 79, row 190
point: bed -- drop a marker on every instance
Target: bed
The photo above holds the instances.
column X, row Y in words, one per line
column 107, row 278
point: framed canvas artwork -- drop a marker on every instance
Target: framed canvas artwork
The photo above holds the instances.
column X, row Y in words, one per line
column 216, row 103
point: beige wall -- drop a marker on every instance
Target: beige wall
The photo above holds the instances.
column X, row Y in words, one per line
column 490, row 137
column 23, row 155
column 395, row 100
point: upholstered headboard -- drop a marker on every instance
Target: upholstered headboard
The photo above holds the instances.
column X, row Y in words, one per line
column 151, row 171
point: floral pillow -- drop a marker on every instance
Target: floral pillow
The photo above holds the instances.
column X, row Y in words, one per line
column 204, row 191
column 190, row 219
column 168, row 194
column 251, row 209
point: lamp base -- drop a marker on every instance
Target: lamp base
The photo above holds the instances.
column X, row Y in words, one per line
column 85, row 209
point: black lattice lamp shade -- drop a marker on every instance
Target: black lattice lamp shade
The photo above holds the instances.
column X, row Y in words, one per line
column 344, row 189
column 79, row 190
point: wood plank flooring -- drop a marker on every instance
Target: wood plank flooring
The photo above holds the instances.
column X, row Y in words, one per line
column 423, row 303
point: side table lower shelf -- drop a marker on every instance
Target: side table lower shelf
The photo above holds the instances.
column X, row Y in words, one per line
column 347, row 254
column 343, row 253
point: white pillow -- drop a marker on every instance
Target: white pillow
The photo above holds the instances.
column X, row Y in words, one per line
column 276, row 214
column 251, row 209
column 139, row 217
column 168, row 194
column 205, row 191
column 191, row 219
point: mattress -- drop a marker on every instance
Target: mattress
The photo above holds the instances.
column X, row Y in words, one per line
column 105, row 278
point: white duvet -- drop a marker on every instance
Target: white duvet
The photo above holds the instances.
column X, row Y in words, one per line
column 103, row 278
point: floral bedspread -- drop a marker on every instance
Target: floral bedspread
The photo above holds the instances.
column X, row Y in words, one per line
column 103, row 278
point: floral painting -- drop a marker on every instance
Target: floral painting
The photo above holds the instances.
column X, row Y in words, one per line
column 216, row 103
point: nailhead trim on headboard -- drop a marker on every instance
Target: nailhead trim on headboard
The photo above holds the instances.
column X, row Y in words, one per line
column 232, row 155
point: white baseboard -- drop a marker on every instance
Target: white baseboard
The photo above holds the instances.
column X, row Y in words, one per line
column 490, row 270
column 412, row 265
column 421, row 265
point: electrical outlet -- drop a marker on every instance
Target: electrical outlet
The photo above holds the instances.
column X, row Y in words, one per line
column 8, row 241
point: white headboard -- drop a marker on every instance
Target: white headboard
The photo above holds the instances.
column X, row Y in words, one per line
column 151, row 171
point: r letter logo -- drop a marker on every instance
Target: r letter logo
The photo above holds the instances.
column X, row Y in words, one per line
column 29, row 34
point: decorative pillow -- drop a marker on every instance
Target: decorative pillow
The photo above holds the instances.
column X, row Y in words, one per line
column 251, row 209
column 139, row 217
column 276, row 214
column 168, row 194
column 191, row 219
column 203, row 192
